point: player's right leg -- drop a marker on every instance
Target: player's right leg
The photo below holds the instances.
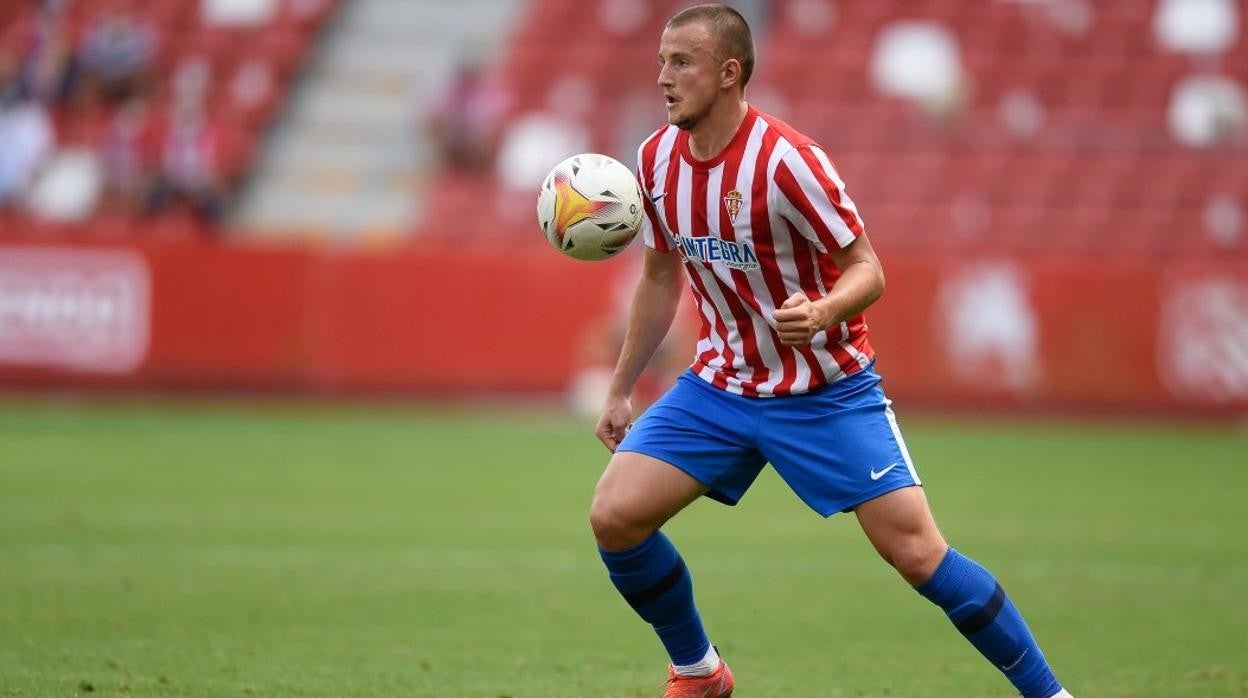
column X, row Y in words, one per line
column 695, row 440
column 635, row 496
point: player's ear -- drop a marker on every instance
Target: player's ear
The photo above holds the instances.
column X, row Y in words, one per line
column 730, row 73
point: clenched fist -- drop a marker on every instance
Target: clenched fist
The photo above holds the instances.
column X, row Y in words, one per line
column 799, row 319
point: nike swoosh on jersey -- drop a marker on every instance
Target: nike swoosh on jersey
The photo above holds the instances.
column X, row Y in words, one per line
column 655, row 199
column 877, row 474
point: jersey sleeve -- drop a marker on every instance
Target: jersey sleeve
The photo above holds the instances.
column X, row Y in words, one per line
column 652, row 232
column 814, row 200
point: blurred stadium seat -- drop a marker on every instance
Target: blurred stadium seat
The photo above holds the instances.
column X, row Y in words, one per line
column 248, row 62
column 1061, row 122
column 1063, row 114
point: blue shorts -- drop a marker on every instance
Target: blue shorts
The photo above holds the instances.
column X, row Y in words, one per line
column 836, row 447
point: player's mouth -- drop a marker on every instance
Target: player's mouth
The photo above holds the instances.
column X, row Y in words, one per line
column 670, row 100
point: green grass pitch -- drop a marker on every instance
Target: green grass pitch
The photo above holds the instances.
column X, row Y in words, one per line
column 241, row 549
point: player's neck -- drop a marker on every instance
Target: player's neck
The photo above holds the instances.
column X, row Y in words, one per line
column 715, row 132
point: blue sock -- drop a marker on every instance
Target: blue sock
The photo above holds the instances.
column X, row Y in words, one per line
column 978, row 606
column 654, row 581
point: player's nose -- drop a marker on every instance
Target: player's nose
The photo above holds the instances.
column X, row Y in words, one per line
column 665, row 77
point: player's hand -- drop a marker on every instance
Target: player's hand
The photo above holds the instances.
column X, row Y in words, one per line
column 798, row 320
column 617, row 416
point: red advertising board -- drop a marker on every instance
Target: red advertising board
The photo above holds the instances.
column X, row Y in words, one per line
column 76, row 310
column 990, row 331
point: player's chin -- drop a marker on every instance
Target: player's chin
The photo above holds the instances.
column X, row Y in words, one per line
column 681, row 120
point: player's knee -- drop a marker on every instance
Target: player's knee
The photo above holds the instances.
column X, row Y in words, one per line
column 613, row 528
column 915, row 557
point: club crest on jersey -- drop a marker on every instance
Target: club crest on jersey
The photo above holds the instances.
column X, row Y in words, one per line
column 732, row 201
column 730, row 253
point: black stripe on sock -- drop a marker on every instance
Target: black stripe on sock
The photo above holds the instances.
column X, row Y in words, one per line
column 982, row 618
column 638, row 599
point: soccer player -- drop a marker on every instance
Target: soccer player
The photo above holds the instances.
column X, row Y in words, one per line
column 781, row 269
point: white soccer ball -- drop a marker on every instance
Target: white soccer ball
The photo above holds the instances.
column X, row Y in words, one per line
column 589, row 207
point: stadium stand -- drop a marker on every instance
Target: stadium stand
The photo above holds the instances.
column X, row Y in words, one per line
column 1059, row 137
column 208, row 78
column 1118, row 126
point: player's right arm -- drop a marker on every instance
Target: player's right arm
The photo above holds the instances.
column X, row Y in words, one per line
column 649, row 318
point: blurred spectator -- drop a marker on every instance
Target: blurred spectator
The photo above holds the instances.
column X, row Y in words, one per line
column 466, row 117
column 189, row 163
column 39, row 49
column 26, row 140
column 1196, row 26
column 125, row 158
column 1208, row 110
column 919, row 61
column 118, row 50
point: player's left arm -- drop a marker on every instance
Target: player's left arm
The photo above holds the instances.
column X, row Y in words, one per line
column 861, row 283
column 812, row 197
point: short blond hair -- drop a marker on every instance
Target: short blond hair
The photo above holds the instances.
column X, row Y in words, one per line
column 730, row 29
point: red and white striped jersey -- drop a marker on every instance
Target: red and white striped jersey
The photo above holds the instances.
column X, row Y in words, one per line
column 754, row 225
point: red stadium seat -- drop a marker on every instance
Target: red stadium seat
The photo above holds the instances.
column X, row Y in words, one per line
column 278, row 48
column 1098, row 174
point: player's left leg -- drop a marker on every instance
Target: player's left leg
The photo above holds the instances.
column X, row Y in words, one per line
column 900, row 526
column 840, row 449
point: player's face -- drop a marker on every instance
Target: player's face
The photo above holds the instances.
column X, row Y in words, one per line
column 689, row 73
